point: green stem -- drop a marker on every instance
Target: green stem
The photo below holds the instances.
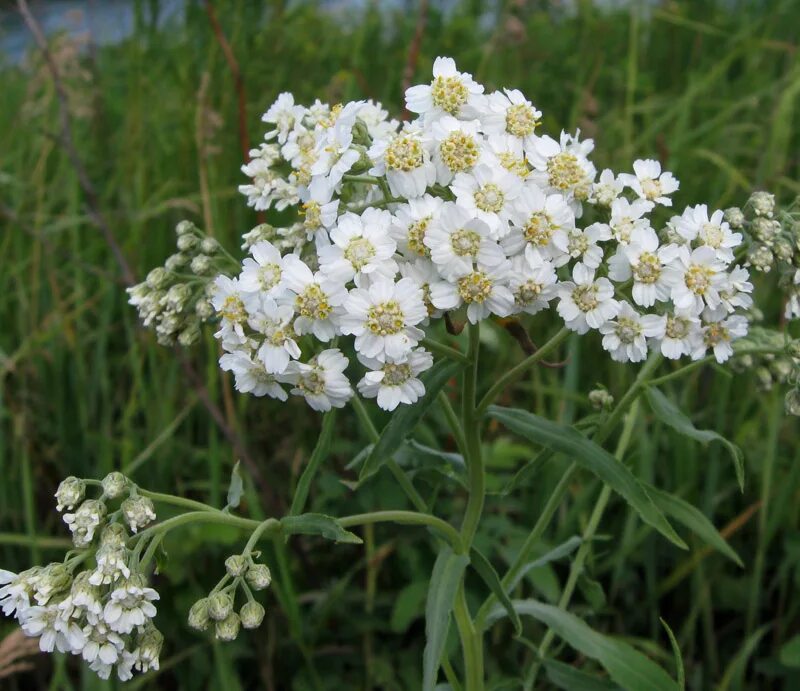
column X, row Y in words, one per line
column 471, row 643
column 453, row 422
column 711, row 360
column 257, row 533
column 201, row 517
column 408, row 518
column 176, row 501
column 472, row 439
column 519, row 370
column 444, row 350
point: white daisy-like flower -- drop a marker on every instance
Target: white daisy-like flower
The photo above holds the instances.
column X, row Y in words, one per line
column 607, row 188
column 335, row 154
column 250, row 376
column 456, row 147
column 628, row 217
column 274, row 323
column 457, row 241
column 298, row 149
column 488, row 193
column 395, row 381
column 410, row 223
column 625, row 336
column 112, row 564
column 586, row 302
column 283, row 114
column 129, row 606
column 682, row 333
column 405, row 160
column 425, row 274
column 695, row 225
column 450, row 93
column 321, row 381
column 103, row 648
column 377, row 120
column 506, row 151
column 260, row 192
column 262, row 273
column 384, row 318
column 648, row 182
column 562, row 166
column 643, row 259
column 483, row 290
column 582, row 244
column 229, row 301
column 361, row 245
column 318, row 210
column 55, row 631
column 86, row 598
column 719, row 336
column 695, row 277
column 315, row 298
column 509, row 112
column 734, row 294
column 532, row 281
column 16, row 590
column 542, row 222
column 83, row 523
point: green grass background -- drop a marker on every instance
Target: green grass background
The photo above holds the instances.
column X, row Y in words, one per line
column 710, row 88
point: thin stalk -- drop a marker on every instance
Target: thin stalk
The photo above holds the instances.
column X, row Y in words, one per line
column 408, row 518
column 471, row 643
column 444, row 350
column 176, row 501
column 474, row 459
column 453, row 422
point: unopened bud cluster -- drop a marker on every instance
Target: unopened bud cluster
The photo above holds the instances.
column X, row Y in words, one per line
column 174, row 298
column 219, row 608
column 97, row 604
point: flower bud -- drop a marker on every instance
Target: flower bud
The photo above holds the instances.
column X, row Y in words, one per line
column 760, row 256
column 198, row 615
column 764, row 379
column 177, row 296
column 258, row 576
column 114, row 485
column 209, row 246
column 138, row 512
column 190, row 335
column 149, row 644
column 176, row 261
column 261, row 232
column 201, row 265
column 53, row 579
column 204, row 309
column 783, row 249
column 236, row 565
column 184, row 227
column 793, row 348
column 792, row 402
column 766, row 230
column 70, row 493
column 85, row 521
column 187, row 243
column 220, row 605
column 601, row 399
column 734, row 217
column 114, row 535
column 157, row 278
column 781, row 369
column 228, row 628
column 251, row 615
column 763, row 203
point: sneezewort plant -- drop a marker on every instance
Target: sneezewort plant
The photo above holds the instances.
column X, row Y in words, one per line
column 464, row 216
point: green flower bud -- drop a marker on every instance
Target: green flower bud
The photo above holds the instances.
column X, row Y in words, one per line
column 793, row 349
column 138, row 512
column 198, row 615
column 176, row 261
column 70, row 493
column 601, row 399
column 220, row 605
column 187, row 243
column 251, row 615
column 236, row 565
column 209, row 246
column 764, row 379
column 763, row 203
column 228, row 628
column 201, row 265
column 114, row 485
column 157, row 278
column 189, row 336
column 114, row 535
column 734, row 217
column 258, row 576
column 204, row 309
column 184, row 227
column 792, row 402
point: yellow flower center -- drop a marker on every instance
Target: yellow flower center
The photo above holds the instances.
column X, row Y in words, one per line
column 627, row 329
column 713, row 235
column 539, row 229
column 475, row 287
column 648, row 269
column 311, row 215
column 677, row 327
column 394, row 375
column 404, row 154
column 585, row 297
column 233, row 309
column 459, row 151
column 449, row 94
column 489, row 198
column 416, row 236
column 514, row 164
column 386, row 318
column 359, row 252
column 528, row 292
column 564, row 171
column 651, row 188
column 698, row 278
column 521, row 120
column 716, row 333
column 465, row 243
column 312, row 303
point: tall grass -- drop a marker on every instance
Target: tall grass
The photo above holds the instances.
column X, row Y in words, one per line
column 710, row 88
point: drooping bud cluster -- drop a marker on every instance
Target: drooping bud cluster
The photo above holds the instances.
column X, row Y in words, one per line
column 174, row 298
column 242, row 573
column 97, row 604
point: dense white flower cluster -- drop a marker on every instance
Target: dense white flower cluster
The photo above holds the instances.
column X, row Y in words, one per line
column 103, row 612
column 467, row 207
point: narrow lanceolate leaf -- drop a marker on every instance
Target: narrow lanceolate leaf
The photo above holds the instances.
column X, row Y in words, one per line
column 446, row 576
column 485, row 570
column 694, row 519
column 573, row 445
column 625, row 665
column 406, row 417
column 236, row 487
column 570, row 679
column 666, row 411
column 318, row 524
column 676, row 651
column 559, row 552
column 318, row 455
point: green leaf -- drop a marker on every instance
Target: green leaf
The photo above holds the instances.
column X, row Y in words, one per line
column 592, row 591
column 445, row 579
column 319, row 454
column 236, row 487
column 318, row 524
column 405, row 419
column 676, row 651
column 409, row 604
column 625, row 665
column 694, row 519
column 570, row 679
column 564, row 439
column 419, row 458
column 486, row 571
column 736, row 668
column 559, row 552
column 790, row 652
column 666, row 411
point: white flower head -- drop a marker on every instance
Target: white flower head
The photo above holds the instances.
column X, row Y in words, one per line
column 384, row 318
column 542, row 222
column 628, row 217
column 719, row 336
column 450, row 93
column 395, row 382
column 405, row 160
column 562, row 166
column 410, row 223
column 321, row 381
column 273, row 322
column 484, row 290
column 696, row 277
column 681, row 336
column 283, row 114
column 607, row 188
column 583, row 245
column 488, row 193
column 85, row 521
column 695, row 225
column 315, row 298
column 261, row 273
column 425, row 274
column 734, row 294
column 457, row 147
column 648, row 182
column 643, row 259
column 55, row 629
column 509, row 112
column 508, row 152
column 250, row 375
column 625, row 336
column 532, row 281
column 586, row 302
column 129, row 606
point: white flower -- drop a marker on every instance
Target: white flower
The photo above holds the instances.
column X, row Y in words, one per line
column 484, row 290
column 383, row 318
column 103, row 648
column 696, row 278
column 229, row 301
column 361, row 245
column 585, row 302
column 395, row 382
column 643, row 260
column 626, row 218
column 451, row 92
column 321, row 381
column 607, row 188
column 55, row 631
column 262, row 273
column 509, row 112
column 251, row 376
column 532, row 281
column 582, row 244
column 563, row 166
column 625, row 337
column 508, row 152
column 274, row 323
column 456, row 147
column 318, row 210
column 650, row 183
column 410, row 223
column 425, row 274
column 734, row 293
column 696, row 225
column 488, row 193
column 260, row 192
column 85, row 521
column 334, row 153
column 541, row 221
column 405, row 160
column 16, row 590
column 283, row 114
column 681, row 335
column 719, row 335
column 129, row 606
column 138, row 511
column 458, row 240
column 315, row 297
